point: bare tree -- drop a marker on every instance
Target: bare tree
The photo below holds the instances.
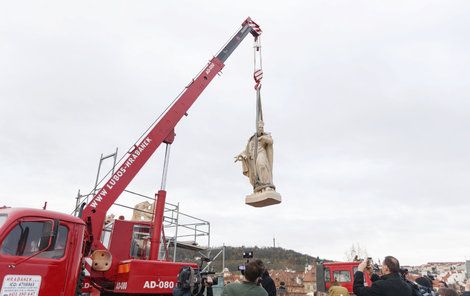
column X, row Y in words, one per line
column 355, row 252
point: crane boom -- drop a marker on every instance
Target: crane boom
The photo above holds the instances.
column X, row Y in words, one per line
column 163, row 131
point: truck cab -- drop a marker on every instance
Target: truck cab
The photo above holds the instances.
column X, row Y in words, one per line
column 343, row 272
column 37, row 248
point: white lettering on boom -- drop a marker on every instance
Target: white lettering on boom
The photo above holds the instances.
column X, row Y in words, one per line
column 121, row 172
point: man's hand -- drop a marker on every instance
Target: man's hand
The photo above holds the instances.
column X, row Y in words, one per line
column 362, row 266
column 209, row 281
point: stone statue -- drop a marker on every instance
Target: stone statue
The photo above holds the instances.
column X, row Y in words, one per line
column 257, row 163
column 143, row 211
column 258, row 170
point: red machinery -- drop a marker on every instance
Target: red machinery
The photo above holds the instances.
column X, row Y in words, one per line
column 42, row 253
column 342, row 272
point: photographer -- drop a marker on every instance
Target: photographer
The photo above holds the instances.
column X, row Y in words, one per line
column 390, row 284
column 266, row 281
column 249, row 286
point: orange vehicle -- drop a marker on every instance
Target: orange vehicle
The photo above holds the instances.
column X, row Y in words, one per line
column 343, row 272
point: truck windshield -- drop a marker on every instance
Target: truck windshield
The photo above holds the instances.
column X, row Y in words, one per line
column 26, row 238
column 3, row 218
column 342, row 276
column 30, row 237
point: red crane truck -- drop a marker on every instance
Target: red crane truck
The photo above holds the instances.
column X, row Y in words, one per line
column 43, row 253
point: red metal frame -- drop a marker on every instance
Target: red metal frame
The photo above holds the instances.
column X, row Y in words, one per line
column 157, row 226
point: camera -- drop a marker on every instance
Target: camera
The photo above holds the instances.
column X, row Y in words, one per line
column 369, row 264
column 248, row 254
column 241, row 268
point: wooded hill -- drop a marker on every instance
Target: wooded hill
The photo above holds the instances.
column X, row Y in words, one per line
column 274, row 258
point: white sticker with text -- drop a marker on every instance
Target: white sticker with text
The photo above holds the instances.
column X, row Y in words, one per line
column 21, row 285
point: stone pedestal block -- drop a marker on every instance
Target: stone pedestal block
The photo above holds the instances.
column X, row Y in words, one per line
column 263, row 199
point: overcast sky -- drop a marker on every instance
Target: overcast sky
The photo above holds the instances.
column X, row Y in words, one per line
column 367, row 102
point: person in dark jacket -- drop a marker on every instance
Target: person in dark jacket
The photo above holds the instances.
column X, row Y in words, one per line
column 390, row 284
column 282, row 290
column 182, row 290
column 374, row 277
column 425, row 286
column 447, row 292
column 467, row 289
column 265, row 279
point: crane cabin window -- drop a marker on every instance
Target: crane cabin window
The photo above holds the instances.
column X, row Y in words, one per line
column 140, row 248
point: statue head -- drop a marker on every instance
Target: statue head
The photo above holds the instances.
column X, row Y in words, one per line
column 260, row 128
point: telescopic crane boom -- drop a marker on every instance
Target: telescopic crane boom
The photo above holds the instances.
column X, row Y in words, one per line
column 162, row 132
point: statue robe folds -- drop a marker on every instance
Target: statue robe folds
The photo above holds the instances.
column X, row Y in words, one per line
column 257, row 164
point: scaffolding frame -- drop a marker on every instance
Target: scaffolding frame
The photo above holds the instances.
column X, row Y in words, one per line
column 187, row 229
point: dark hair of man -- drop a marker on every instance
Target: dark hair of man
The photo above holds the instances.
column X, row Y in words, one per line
column 447, row 292
column 261, row 266
column 392, row 264
column 252, row 271
column 423, row 281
